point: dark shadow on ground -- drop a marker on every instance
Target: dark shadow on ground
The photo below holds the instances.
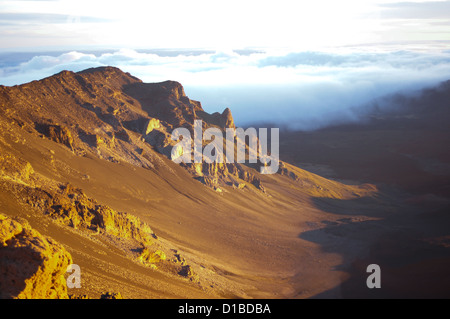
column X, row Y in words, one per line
column 411, row 244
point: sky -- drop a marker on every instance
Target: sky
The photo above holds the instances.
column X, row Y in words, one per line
column 311, row 63
column 221, row 25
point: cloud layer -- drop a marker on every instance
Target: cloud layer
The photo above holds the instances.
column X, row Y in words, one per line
column 304, row 90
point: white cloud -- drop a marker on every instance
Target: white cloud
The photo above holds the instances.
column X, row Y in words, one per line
column 307, row 89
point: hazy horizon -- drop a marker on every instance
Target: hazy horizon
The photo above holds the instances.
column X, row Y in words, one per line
column 306, row 65
column 299, row 89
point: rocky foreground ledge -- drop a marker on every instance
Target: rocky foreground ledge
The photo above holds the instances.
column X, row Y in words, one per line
column 31, row 265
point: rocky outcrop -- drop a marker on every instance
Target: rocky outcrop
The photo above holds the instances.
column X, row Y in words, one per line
column 285, row 171
column 151, row 258
column 151, row 125
column 186, row 271
column 72, row 207
column 222, row 120
column 15, row 169
column 60, row 134
column 216, row 175
column 57, row 133
column 165, row 101
column 226, row 119
column 32, row 266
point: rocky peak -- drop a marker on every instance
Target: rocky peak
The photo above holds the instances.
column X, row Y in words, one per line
column 222, row 120
column 227, row 119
